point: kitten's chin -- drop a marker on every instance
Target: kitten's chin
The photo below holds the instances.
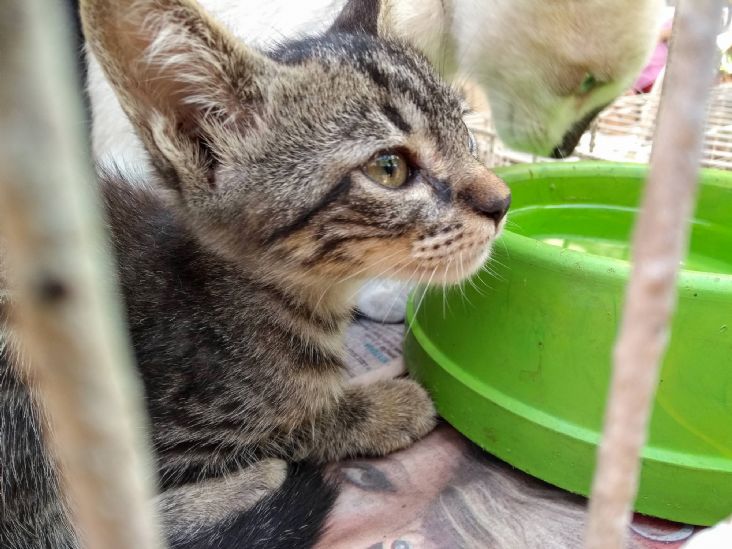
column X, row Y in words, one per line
column 454, row 270
column 460, row 266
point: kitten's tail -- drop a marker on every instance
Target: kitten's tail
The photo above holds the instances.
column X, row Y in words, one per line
column 293, row 517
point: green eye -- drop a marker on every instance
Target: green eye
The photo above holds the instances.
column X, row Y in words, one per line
column 388, row 169
column 588, row 84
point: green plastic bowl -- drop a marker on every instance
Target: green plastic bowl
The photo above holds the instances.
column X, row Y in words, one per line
column 519, row 359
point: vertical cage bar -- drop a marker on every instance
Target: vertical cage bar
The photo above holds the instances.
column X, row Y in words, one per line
column 659, row 243
column 59, row 272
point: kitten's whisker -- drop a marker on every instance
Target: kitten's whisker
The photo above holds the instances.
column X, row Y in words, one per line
column 474, row 285
column 493, row 273
column 461, row 270
column 396, row 296
column 393, row 302
column 421, row 299
column 444, row 289
column 420, row 288
column 505, row 249
column 405, row 262
column 510, row 223
column 350, row 277
column 464, row 281
column 497, row 262
column 367, row 267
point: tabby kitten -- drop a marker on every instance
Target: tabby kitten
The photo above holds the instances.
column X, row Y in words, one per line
column 291, row 176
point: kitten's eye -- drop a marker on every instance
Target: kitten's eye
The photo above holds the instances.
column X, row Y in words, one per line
column 588, row 84
column 388, row 169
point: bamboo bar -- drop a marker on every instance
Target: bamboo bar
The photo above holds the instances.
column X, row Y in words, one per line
column 659, row 243
column 58, row 270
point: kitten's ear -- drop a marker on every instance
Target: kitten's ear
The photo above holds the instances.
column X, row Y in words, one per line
column 359, row 17
column 183, row 81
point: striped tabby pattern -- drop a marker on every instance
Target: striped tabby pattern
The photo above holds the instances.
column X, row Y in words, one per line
column 239, row 278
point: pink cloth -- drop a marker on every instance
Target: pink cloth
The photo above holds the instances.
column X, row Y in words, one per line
column 650, row 73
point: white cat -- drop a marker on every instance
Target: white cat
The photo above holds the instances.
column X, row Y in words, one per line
column 548, row 66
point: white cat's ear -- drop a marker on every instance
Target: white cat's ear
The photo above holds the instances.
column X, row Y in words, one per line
column 181, row 79
column 360, row 17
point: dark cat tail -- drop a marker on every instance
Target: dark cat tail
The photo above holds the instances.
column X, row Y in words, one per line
column 293, row 517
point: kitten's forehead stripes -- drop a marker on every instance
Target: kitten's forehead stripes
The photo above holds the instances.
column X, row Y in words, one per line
column 424, row 93
column 395, row 118
column 399, row 71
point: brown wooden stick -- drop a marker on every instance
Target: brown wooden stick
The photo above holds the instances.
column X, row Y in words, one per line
column 58, row 268
column 659, row 242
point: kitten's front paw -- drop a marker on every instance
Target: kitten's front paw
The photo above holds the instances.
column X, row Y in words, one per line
column 371, row 420
column 402, row 412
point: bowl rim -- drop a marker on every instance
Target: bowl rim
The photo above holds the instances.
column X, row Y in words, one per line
column 607, row 269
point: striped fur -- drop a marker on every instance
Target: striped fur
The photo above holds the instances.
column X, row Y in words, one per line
column 239, row 279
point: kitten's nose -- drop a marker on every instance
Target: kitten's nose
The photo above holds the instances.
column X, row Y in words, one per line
column 488, row 196
column 495, row 208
